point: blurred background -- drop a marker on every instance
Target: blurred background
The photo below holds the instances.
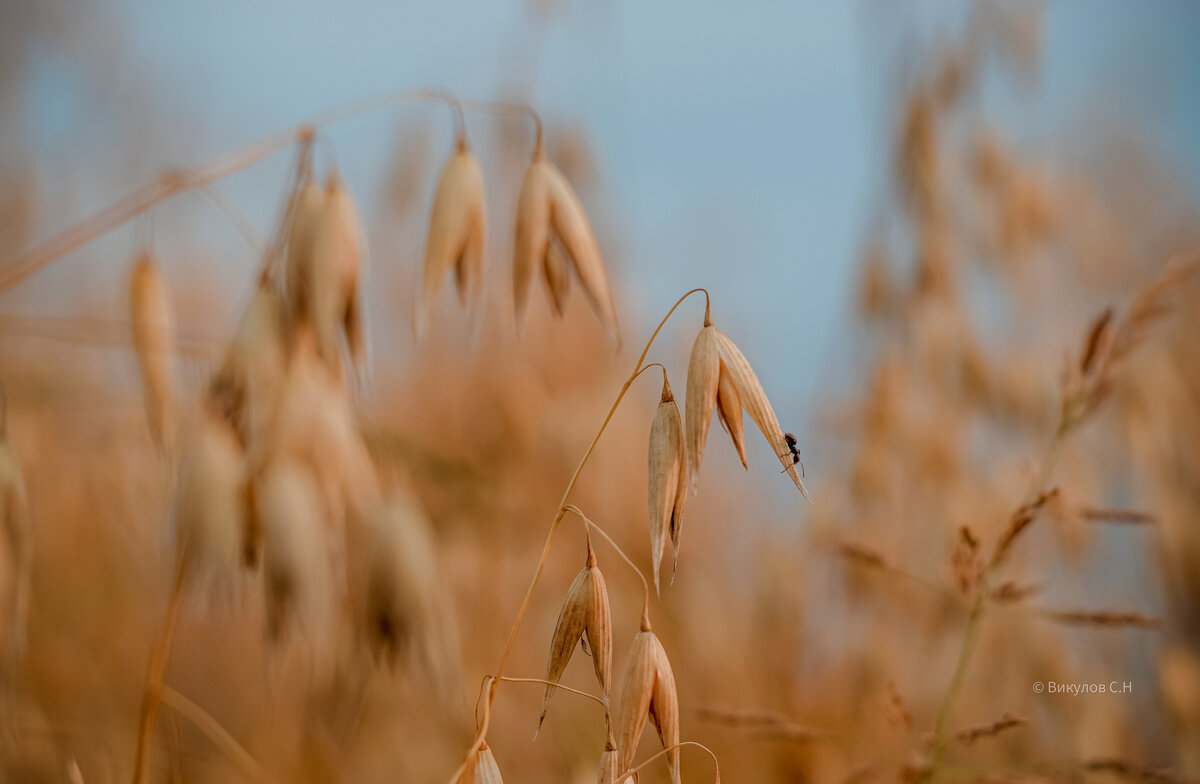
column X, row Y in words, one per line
column 906, row 215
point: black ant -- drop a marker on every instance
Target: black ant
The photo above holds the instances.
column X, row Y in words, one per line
column 790, row 440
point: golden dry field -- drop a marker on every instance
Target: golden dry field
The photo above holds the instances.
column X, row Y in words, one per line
column 346, row 511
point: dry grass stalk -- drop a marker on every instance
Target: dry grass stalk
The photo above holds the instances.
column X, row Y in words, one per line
column 1021, row 519
column 991, row 729
column 16, row 556
column 585, row 618
column 766, row 723
column 548, row 211
column 965, row 563
column 666, row 460
column 648, row 689
column 1010, row 592
column 862, row 555
column 456, row 231
column 153, row 320
column 1103, row 618
column 1127, row 516
column 1133, row 771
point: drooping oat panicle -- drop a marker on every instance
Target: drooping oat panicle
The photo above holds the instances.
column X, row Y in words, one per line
column 548, row 211
column 456, row 231
column 666, row 456
column 729, row 410
column 755, row 401
column 703, row 379
column 16, row 549
column 648, row 689
column 210, row 501
column 153, row 320
column 298, row 572
column 585, row 618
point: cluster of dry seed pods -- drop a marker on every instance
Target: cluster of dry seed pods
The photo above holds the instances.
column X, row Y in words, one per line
column 552, row 234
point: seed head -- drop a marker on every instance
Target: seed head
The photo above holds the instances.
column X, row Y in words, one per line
column 308, row 204
column 729, row 410
column 703, row 380
column 584, row 619
column 548, row 211
column 456, row 231
column 666, row 459
column 648, row 689
column 482, row 768
column 153, row 321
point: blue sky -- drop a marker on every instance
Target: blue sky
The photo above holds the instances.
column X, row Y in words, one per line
column 740, row 144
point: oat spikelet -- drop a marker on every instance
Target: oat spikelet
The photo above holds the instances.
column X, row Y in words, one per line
column 482, row 769
column 609, row 761
column 456, row 231
column 16, row 549
column 397, row 597
column 666, row 456
column 548, row 211
column 209, row 503
column 756, row 403
column 704, row 373
column 306, row 208
column 245, row 388
column 648, row 689
column 558, row 277
column 729, row 410
column 586, row 619
column 297, row 567
column 337, row 254
column 153, row 320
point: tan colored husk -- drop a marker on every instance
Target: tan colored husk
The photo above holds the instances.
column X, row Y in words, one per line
column 648, row 689
column 16, row 551
column 548, row 211
column 306, row 208
column 756, row 403
column 209, row 502
column 396, row 595
column 481, row 768
column 152, row 317
column 572, row 229
column 704, row 371
column 298, row 571
column 532, row 234
column 729, row 409
column 246, row 387
column 558, row 277
column 609, row 761
column 585, row 618
column 666, row 455
column 456, row 232
column 337, row 257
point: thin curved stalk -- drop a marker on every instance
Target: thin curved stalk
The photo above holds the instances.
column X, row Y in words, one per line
column 204, row 722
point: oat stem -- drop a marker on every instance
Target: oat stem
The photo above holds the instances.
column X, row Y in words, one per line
column 498, row 676
column 717, row 765
column 159, row 657
column 556, row 685
column 218, row 734
column 983, row 589
column 588, row 524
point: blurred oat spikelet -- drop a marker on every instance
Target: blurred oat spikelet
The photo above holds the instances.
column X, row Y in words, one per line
column 397, row 599
column 153, row 321
column 326, row 249
column 210, row 502
column 648, row 689
column 666, row 475
column 298, row 569
column 552, row 227
column 712, row 353
column 456, row 233
column 16, row 548
column 585, row 619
